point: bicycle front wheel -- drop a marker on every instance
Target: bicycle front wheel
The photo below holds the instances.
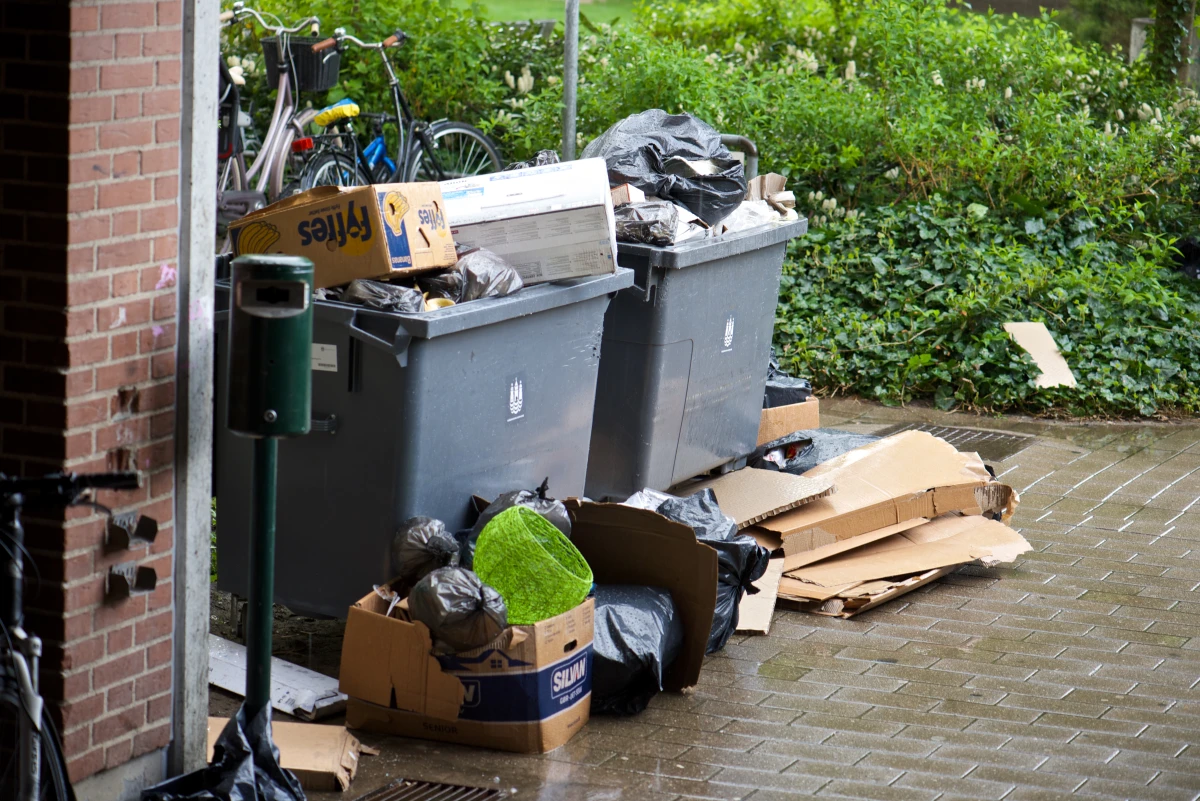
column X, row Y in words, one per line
column 53, row 784
column 333, row 168
column 460, row 150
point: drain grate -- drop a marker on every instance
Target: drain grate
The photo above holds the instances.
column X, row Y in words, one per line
column 408, row 790
column 992, row 446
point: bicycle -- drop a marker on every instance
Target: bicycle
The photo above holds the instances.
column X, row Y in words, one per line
column 425, row 151
column 291, row 68
column 38, row 755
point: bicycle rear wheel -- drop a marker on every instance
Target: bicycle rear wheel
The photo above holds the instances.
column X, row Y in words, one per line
column 460, row 150
column 54, row 785
column 333, row 168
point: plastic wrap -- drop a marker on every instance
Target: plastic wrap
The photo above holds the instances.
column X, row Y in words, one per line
column 673, row 157
column 647, row 499
column 638, row 634
column 537, row 500
column 380, row 295
column 741, row 560
column 801, row 451
column 542, row 158
column 480, row 273
column 460, row 611
column 652, row 222
column 782, row 389
column 421, row 545
column 244, row 767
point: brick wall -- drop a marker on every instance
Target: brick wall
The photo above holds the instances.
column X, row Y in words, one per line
column 89, row 137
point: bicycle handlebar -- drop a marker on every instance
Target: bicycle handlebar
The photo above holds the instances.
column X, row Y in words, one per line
column 65, row 487
column 240, row 11
column 340, row 35
column 325, row 45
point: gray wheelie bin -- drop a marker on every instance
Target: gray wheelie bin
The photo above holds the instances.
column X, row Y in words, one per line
column 412, row 415
column 684, row 360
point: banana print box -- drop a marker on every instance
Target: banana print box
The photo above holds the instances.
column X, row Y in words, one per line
column 380, row 231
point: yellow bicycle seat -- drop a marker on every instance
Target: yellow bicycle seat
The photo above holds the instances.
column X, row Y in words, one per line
column 342, row 110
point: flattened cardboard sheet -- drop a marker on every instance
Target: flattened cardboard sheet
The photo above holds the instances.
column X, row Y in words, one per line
column 751, row 495
column 322, row 757
column 1036, row 340
column 779, row 421
column 755, row 611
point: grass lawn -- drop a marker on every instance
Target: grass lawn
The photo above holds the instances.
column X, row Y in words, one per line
column 595, row 10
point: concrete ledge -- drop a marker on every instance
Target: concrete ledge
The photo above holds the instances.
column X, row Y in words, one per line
column 125, row 782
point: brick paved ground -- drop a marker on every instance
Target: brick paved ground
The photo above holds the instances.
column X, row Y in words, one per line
column 1073, row 672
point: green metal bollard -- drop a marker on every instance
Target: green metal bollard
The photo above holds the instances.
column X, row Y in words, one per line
column 269, row 396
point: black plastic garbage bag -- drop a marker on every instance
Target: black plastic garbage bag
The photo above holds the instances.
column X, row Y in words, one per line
column 460, row 611
column 380, row 295
column 537, row 500
column 801, row 451
column 673, row 157
column 542, row 158
column 782, row 389
column 651, row 223
column 245, row 767
column 480, row 273
column 638, row 635
column 421, row 545
column 740, row 560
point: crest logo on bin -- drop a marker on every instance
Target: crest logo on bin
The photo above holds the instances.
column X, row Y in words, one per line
column 516, row 398
column 728, row 335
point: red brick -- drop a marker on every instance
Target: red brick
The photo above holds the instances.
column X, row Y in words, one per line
column 82, row 710
column 161, row 43
column 166, row 535
column 118, row 754
column 76, row 567
column 129, row 45
column 125, row 345
column 88, row 229
column 162, row 425
column 166, row 130
column 79, row 382
column 154, row 683
column 124, row 722
column 82, row 140
column 81, row 259
column 122, row 667
column 90, row 167
column 154, row 627
column 81, row 321
column 125, row 193
column 159, row 654
column 92, row 48
column 122, row 254
column 159, row 159
column 131, row 372
column 136, row 312
column 86, row 412
column 157, row 337
column 158, row 396
column 85, row 535
column 81, row 199
column 120, row 639
column 125, row 223
column 128, row 15
column 82, row 291
column 76, row 742
column 127, row 107
column 85, row 18
column 166, row 247
column 77, row 625
column 120, row 696
column 160, row 510
column 81, row 766
column 158, row 708
column 88, row 351
column 147, row 741
column 91, row 109
column 83, row 79
column 81, row 653
column 126, row 165
column 115, row 135
column 168, row 73
column 162, row 365
column 124, row 283
column 169, row 12
column 164, row 307
column 79, row 445
column 161, row 217
column 126, row 432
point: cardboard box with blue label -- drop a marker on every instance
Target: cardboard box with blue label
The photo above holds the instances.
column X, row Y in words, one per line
column 382, row 231
column 529, row 690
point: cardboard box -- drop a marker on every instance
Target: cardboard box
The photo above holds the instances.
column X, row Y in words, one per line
column 530, row 690
column 382, row 231
column 907, row 476
column 550, row 223
column 752, row 494
column 322, row 757
column 783, row 420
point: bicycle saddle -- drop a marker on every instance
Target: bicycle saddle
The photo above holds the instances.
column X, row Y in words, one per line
column 342, row 110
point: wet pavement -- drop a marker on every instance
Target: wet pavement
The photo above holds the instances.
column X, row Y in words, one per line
column 1072, row 673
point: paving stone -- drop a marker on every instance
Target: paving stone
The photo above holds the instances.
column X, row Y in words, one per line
column 977, row 789
column 791, row 782
column 753, row 760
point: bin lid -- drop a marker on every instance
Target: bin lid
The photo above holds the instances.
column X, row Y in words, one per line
column 702, row 250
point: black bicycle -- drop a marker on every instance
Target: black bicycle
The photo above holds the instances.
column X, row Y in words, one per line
column 425, row 151
column 36, row 769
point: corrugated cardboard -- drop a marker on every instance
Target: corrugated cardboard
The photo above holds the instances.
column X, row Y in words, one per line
column 903, row 477
column 549, row 223
column 769, row 540
column 322, row 757
column 624, row 545
column 780, row 421
column 817, row 544
column 381, row 231
column 755, row 611
column 1035, row 338
column 871, row 594
column 627, row 193
column 949, row 540
column 750, row 495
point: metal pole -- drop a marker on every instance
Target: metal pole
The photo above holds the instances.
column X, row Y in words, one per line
column 262, row 577
column 570, row 78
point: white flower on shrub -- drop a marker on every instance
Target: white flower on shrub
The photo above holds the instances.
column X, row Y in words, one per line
column 509, row 80
column 1120, row 115
column 551, row 80
column 807, row 61
column 977, row 211
column 1194, row 141
column 738, row 48
column 525, row 82
column 1144, row 112
column 851, row 70
column 892, row 174
column 1008, row 93
column 1124, row 82
column 233, row 61
column 937, row 78
column 976, row 84
column 852, row 215
column 829, row 205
